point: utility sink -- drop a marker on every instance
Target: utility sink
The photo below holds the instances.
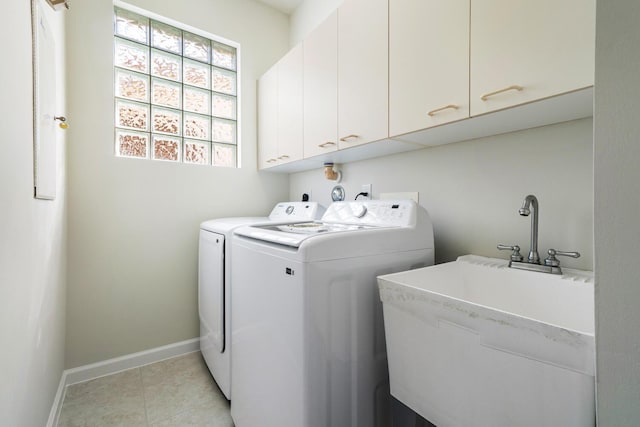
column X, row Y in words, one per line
column 475, row 343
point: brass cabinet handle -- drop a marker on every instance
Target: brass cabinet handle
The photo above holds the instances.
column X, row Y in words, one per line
column 446, row 107
column 345, row 138
column 271, row 160
column 326, row 144
column 506, row 89
column 284, row 156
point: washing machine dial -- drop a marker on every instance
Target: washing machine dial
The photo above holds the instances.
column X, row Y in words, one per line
column 289, row 210
column 360, row 211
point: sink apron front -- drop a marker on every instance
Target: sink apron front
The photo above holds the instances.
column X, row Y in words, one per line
column 460, row 356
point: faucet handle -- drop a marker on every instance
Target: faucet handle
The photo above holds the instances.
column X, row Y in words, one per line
column 515, row 255
column 552, row 261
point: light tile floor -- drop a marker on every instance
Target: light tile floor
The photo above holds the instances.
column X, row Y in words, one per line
column 173, row 393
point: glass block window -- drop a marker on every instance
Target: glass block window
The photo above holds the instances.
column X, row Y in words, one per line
column 175, row 93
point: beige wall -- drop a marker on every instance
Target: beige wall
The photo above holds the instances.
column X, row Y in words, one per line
column 308, row 16
column 32, row 236
column 473, row 189
column 617, row 204
column 133, row 224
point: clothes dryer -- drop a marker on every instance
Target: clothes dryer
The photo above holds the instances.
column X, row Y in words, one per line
column 214, row 282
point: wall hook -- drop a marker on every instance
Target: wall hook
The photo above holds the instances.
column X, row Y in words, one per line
column 63, row 122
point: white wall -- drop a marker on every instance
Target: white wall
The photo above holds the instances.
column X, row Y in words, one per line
column 473, row 189
column 617, row 204
column 32, row 236
column 133, row 224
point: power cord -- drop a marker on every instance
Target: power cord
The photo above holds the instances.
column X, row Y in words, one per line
column 364, row 193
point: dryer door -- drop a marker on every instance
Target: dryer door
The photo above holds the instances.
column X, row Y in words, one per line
column 211, row 291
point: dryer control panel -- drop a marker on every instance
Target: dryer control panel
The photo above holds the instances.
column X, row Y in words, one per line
column 296, row 211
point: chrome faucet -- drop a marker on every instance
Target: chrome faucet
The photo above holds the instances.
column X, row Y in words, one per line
column 551, row 263
column 530, row 206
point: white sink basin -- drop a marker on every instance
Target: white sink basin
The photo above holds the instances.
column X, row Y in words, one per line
column 475, row 343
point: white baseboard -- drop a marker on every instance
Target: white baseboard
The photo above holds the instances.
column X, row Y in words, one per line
column 112, row 366
column 56, row 407
column 129, row 361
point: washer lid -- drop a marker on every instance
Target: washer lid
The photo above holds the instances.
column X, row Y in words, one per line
column 317, row 227
column 294, row 234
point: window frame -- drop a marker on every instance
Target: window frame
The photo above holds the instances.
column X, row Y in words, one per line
column 150, row 77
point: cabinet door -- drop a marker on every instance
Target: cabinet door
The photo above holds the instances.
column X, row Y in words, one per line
column 268, row 118
column 362, row 72
column 290, row 106
column 321, row 88
column 527, row 50
column 428, row 63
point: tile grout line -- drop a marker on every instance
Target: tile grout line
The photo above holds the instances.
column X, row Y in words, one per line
column 182, row 410
column 144, row 397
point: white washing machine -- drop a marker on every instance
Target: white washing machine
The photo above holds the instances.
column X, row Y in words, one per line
column 307, row 326
column 214, row 282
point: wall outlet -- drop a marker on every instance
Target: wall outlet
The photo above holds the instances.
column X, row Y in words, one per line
column 366, row 188
column 308, row 192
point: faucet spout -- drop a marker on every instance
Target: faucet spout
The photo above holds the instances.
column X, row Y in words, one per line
column 530, row 206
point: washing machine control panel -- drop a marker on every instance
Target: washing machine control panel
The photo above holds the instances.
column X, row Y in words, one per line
column 360, row 211
column 389, row 213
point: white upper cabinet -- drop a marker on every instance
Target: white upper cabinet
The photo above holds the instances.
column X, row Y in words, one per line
column 268, row 118
column 527, row 50
column 362, row 72
column 290, row 106
column 399, row 74
column 321, row 88
column 428, row 63
column 280, row 111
